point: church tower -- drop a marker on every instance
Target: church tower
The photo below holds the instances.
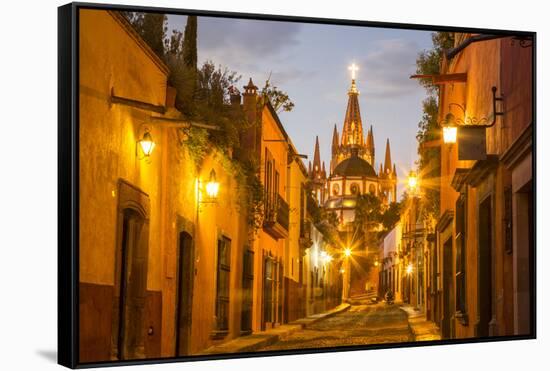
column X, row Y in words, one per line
column 352, row 141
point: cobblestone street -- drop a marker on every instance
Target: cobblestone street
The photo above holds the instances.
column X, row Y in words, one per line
column 360, row 325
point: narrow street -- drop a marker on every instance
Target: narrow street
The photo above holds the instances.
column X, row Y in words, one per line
column 361, row 324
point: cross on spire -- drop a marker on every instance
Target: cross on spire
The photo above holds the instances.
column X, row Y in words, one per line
column 353, row 68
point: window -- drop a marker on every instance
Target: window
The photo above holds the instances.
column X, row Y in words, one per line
column 460, row 262
column 222, row 285
column 336, row 189
column 354, row 188
column 372, row 189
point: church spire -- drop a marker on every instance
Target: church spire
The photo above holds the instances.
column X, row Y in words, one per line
column 370, row 140
column 316, row 156
column 352, row 134
column 335, row 141
column 387, row 160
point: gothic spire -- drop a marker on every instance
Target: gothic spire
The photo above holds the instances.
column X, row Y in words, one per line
column 316, row 156
column 370, row 140
column 335, row 141
column 352, row 134
column 387, row 160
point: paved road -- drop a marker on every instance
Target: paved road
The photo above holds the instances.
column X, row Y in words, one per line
column 360, row 325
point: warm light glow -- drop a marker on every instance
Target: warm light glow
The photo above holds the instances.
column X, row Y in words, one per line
column 212, row 187
column 342, row 270
column 412, row 181
column 147, row 145
column 376, row 263
column 409, row 269
column 347, row 252
column 449, row 134
column 353, row 68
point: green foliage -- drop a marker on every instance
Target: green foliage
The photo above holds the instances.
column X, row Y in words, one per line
column 181, row 57
column 429, row 61
column 278, row 98
column 391, row 215
column 368, row 211
column 324, row 220
column 189, row 48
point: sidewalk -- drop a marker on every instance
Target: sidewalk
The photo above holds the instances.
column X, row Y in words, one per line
column 261, row 339
column 422, row 329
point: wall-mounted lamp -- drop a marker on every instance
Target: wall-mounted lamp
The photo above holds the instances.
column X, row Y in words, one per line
column 213, row 186
column 146, row 144
column 449, row 133
column 469, row 132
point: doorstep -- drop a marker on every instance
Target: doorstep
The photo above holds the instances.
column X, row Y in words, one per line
column 261, row 339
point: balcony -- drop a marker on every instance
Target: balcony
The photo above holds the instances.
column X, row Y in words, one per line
column 276, row 217
column 305, row 235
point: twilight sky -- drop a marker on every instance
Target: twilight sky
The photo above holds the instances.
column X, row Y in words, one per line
column 310, row 62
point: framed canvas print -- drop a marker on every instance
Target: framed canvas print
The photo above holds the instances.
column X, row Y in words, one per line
column 236, row 185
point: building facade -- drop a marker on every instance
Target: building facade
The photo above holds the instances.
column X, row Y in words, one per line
column 484, row 256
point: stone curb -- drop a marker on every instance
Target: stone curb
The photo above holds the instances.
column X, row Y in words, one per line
column 421, row 329
column 251, row 343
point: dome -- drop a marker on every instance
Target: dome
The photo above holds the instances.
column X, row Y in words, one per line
column 354, row 166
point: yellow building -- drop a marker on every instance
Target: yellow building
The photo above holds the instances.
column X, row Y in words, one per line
column 161, row 260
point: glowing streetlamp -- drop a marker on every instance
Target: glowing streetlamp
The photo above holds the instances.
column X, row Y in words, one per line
column 347, row 252
column 412, row 181
column 212, row 187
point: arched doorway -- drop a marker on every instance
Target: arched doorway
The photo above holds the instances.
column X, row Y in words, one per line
column 128, row 331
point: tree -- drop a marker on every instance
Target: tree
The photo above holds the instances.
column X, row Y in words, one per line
column 429, row 63
column 182, row 60
column 391, row 215
column 278, row 98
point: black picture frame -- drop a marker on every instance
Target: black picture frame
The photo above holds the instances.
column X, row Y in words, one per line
column 68, row 181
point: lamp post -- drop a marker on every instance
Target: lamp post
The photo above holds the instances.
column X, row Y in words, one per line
column 346, row 272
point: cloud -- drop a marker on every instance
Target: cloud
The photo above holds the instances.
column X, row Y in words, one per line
column 388, row 68
column 244, row 38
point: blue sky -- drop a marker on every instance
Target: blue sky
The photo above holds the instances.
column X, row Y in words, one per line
column 310, row 62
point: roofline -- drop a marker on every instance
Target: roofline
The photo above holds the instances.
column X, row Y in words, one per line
column 123, row 22
column 285, row 134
